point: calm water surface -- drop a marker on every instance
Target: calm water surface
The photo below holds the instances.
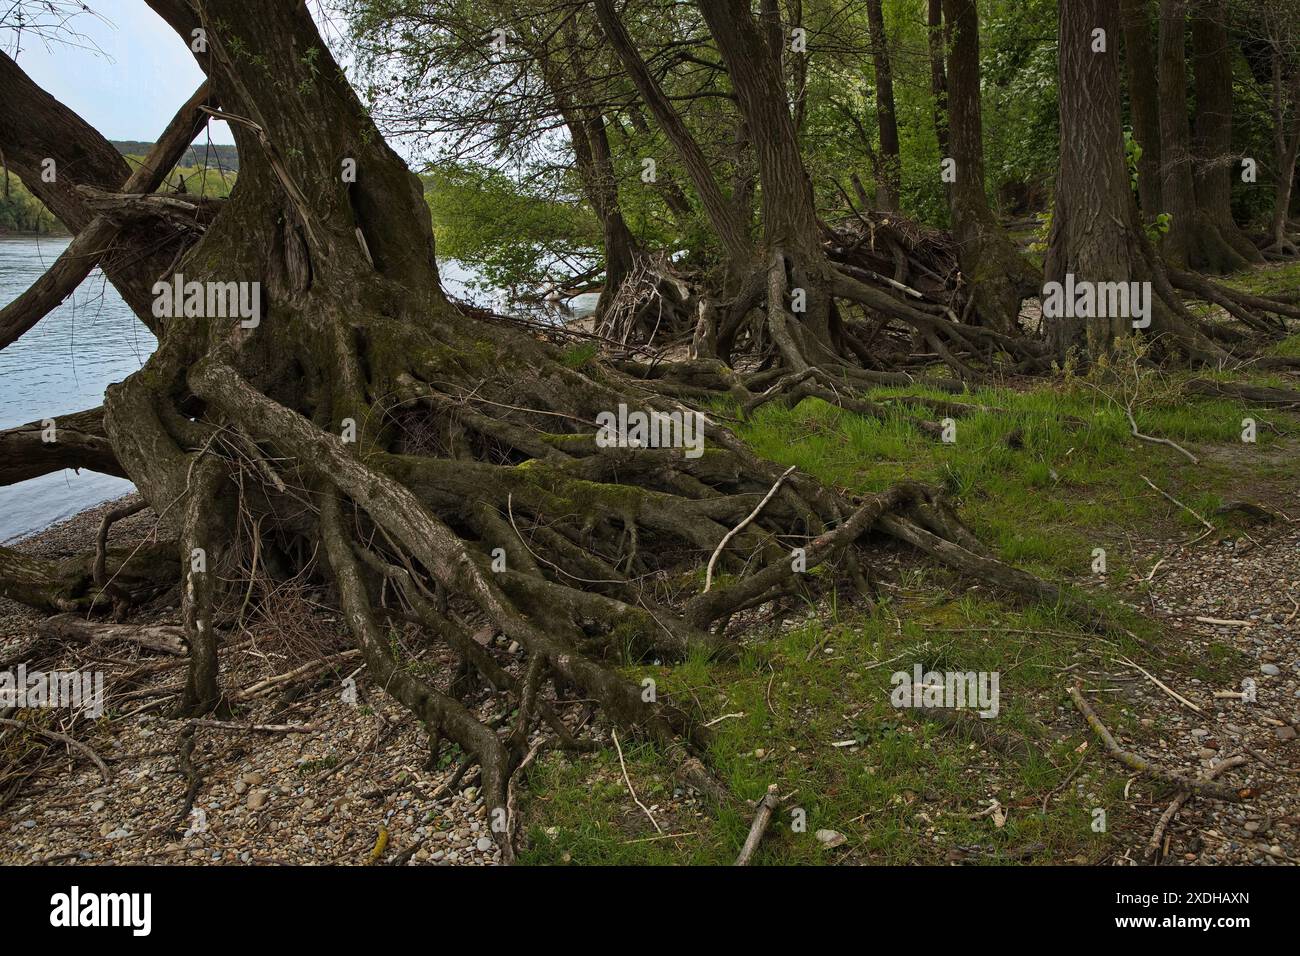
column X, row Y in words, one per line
column 61, row 366
column 64, row 364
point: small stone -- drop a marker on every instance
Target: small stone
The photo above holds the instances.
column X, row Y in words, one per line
column 831, row 838
column 257, row 799
column 484, row 844
column 1272, row 670
column 96, row 806
column 1285, row 733
column 251, row 779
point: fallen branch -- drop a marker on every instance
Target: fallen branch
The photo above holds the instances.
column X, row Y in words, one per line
column 312, row 667
column 1157, row 441
column 1153, row 851
column 708, row 574
column 1143, row 766
column 1177, row 502
column 767, row 808
column 628, row 781
column 261, row 728
column 63, row 739
column 1155, row 680
column 167, row 638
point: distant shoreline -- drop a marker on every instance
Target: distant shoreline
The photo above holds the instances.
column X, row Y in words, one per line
column 13, row 234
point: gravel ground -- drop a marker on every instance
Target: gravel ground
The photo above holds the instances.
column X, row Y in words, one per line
column 332, row 795
column 1253, row 584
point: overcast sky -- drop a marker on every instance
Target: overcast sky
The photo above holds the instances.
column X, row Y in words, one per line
column 128, row 88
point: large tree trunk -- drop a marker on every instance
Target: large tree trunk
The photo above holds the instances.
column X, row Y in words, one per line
column 722, row 215
column 1193, row 240
column 798, row 270
column 1216, row 162
column 999, row 277
column 886, row 116
column 1097, row 235
column 1144, row 101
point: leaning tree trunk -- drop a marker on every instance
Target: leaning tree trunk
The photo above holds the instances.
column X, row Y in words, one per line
column 998, row 276
column 37, row 131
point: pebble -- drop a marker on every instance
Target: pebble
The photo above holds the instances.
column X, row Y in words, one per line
column 830, row 838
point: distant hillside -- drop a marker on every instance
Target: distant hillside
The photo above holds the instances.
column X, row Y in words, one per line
column 224, row 156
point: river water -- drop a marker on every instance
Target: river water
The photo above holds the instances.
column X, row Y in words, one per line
column 64, row 364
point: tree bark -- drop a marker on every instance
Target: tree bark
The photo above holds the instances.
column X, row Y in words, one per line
column 1097, row 235
column 1215, row 160
column 1286, row 149
column 1193, row 241
column 35, row 127
column 1144, row 101
column 998, row 275
column 886, row 115
column 937, row 41
column 721, row 214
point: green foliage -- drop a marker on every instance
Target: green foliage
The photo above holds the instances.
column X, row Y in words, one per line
column 20, row 211
column 512, row 234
